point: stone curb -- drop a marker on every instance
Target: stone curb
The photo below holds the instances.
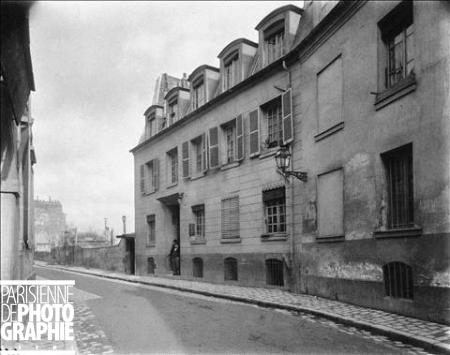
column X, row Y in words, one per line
column 428, row 344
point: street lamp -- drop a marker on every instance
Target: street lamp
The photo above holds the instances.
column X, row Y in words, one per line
column 283, row 160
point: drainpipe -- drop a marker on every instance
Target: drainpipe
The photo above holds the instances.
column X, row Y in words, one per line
column 292, row 244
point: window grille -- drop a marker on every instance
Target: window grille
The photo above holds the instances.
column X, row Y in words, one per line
column 398, row 280
column 230, row 218
column 399, row 172
column 197, row 265
column 274, row 272
column 230, row 269
column 151, row 266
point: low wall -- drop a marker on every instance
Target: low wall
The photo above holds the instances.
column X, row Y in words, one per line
column 113, row 258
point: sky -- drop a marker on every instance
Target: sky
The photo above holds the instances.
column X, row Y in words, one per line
column 95, row 65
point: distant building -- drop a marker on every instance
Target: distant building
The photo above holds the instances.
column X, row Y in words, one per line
column 358, row 93
column 50, row 224
column 17, row 151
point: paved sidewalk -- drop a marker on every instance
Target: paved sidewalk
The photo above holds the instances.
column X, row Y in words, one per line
column 432, row 336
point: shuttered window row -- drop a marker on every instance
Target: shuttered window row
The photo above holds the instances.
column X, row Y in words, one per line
column 230, row 218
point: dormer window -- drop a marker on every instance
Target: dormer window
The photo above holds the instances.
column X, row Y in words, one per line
column 274, row 41
column 198, row 94
column 231, row 71
column 172, row 111
column 151, row 126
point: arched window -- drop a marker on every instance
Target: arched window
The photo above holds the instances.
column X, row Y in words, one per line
column 151, row 266
column 274, row 272
column 197, row 267
column 398, row 280
column 230, row 269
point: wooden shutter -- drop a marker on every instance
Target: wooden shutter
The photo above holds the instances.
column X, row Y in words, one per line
column 288, row 122
column 254, row 132
column 213, row 147
column 155, row 179
column 230, row 217
column 239, row 138
column 204, row 160
column 142, row 176
column 185, row 158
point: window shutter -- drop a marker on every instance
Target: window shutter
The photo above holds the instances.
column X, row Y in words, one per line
column 230, row 218
column 254, row 132
column 185, row 158
column 142, row 175
column 155, row 174
column 213, row 147
column 204, row 161
column 288, row 122
column 240, row 137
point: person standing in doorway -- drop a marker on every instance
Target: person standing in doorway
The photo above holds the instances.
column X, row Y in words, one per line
column 175, row 257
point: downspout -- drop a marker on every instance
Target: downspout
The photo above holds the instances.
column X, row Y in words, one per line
column 293, row 258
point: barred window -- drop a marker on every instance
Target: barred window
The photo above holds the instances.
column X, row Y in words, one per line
column 151, row 235
column 399, row 174
column 274, row 272
column 275, row 210
column 199, row 215
column 398, row 280
column 230, row 218
column 197, row 267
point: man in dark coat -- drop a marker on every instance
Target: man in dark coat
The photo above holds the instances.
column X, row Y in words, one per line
column 175, row 257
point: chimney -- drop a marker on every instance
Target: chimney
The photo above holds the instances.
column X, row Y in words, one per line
column 184, row 81
column 124, row 220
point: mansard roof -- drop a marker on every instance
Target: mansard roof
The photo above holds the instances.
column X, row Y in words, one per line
column 175, row 89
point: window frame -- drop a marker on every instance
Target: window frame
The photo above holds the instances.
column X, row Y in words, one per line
column 199, row 220
column 277, row 201
column 172, row 167
column 151, row 230
column 228, row 213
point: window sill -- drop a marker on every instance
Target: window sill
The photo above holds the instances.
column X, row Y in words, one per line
column 153, row 245
column 230, row 165
column 195, row 240
column 274, row 237
column 172, row 185
column 330, row 238
column 328, row 132
column 149, row 193
column 269, row 152
column 230, row 240
column 198, row 176
column 398, row 233
column 394, row 93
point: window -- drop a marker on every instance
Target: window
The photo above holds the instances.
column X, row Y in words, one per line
column 151, row 126
column 399, row 177
column 330, row 203
column 274, row 41
column 230, row 218
column 329, row 95
column 173, row 112
column 398, row 280
column 172, row 166
column 397, row 31
column 273, row 114
column 149, row 176
column 199, row 152
column 151, row 235
column 198, row 94
column 275, row 210
column 230, row 269
column 199, row 216
column 230, row 141
column 274, row 272
column 197, row 267
column 151, row 266
column 231, row 71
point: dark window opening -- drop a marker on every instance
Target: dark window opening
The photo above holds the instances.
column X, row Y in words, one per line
column 151, row 266
column 197, row 267
column 399, row 175
column 230, row 269
column 398, row 280
column 274, row 272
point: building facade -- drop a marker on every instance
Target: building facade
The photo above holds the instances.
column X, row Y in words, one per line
column 358, row 92
column 17, row 151
column 50, row 225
